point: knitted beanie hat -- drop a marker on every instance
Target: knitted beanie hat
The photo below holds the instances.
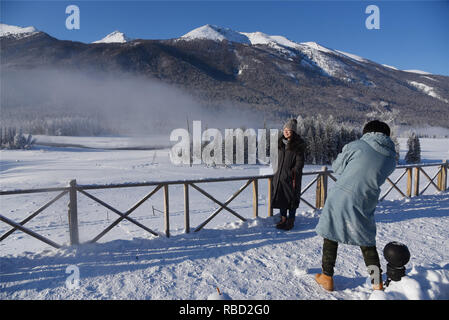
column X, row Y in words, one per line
column 291, row 124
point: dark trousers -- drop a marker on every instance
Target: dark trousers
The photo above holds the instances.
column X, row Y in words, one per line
column 291, row 213
column 330, row 256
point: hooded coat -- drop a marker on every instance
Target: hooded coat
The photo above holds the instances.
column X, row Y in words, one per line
column 286, row 185
column 363, row 166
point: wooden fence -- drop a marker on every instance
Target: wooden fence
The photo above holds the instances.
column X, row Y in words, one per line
column 320, row 180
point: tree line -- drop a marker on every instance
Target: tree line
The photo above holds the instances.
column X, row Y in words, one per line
column 324, row 137
column 11, row 139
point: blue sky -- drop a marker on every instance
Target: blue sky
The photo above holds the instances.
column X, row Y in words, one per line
column 412, row 34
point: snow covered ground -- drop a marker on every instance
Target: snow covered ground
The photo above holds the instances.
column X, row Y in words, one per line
column 246, row 260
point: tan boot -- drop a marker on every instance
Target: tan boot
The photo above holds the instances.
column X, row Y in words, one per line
column 289, row 224
column 379, row 286
column 325, row 281
column 281, row 223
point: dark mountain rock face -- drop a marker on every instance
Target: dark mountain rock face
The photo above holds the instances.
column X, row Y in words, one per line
column 277, row 81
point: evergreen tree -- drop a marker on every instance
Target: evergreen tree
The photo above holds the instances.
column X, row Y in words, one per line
column 11, row 139
column 324, row 138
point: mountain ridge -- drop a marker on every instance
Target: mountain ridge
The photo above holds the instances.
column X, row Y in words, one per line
column 270, row 74
column 114, row 37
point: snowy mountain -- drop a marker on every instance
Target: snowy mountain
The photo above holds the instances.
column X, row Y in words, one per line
column 318, row 57
column 114, row 37
column 16, row 32
column 215, row 33
column 265, row 73
column 313, row 51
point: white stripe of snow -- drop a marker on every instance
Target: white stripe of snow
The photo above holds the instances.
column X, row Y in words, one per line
column 427, row 90
column 6, row 30
column 417, row 71
column 353, row 56
column 391, row 67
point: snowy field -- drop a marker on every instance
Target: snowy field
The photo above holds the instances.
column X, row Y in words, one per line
column 247, row 260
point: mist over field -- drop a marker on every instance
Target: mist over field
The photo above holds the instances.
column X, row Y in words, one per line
column 65, row 102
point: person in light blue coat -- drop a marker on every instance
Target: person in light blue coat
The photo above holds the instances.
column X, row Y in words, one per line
column 348, row 214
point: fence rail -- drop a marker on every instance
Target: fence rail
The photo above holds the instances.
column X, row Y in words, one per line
column 320, row 180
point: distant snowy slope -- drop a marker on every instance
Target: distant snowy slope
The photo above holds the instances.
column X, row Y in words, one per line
column 326, row 59
column 417, row 71
column 216, row 33
column 427, row 90
column 316, row 46
column 279, row 42
column 212, row 32
column 114, row 37
column 391, row 67
column 15, row 31
column 317, row 56
column 352, row 56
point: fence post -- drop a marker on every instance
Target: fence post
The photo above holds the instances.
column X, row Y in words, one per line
column 324, row 186
column 321, row 188
column 255, row 198
column 409, row 182
column 442, row 176
column 416, row 193
column 446, row 165
column 270, row 208
column 73, row 214
column 186, row 208
column 318, row 192
column 166, row 211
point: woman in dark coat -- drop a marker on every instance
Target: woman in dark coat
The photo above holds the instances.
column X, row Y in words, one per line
column 286, row 186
